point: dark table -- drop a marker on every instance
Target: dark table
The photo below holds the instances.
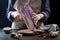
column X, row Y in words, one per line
column 4, row 36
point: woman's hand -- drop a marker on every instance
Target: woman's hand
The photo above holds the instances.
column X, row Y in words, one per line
column 37, row 17
column 17, row 16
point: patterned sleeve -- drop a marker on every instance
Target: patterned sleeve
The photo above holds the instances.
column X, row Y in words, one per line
column 10, row 9
column 45, row 8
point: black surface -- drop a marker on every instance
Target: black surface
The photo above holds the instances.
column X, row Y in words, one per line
column 4, row 36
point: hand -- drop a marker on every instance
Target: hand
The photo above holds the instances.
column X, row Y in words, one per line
column 17, row 16
column 37, row 17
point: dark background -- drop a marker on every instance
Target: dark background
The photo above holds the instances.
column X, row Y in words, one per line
column 54, row 17
column 55, row 12
column 3, row 19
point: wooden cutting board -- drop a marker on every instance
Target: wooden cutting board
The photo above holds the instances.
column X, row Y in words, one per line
column 27, row 31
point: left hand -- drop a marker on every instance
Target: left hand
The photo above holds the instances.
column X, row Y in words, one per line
column 37, row 17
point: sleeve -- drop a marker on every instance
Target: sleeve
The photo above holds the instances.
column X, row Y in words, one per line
column 10, row 9
column 45, row 9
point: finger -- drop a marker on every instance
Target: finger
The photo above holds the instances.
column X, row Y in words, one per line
column 17, row 18
column 33, row 14
column 20, row 17
column 35, row 22
column 34, row 17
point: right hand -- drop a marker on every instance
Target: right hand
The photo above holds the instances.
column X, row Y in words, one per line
column 17, row 16
column 37, row 17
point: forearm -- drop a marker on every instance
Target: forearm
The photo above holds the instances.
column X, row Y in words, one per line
column 46, row 9
column 9, row 16
column 9, row 10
